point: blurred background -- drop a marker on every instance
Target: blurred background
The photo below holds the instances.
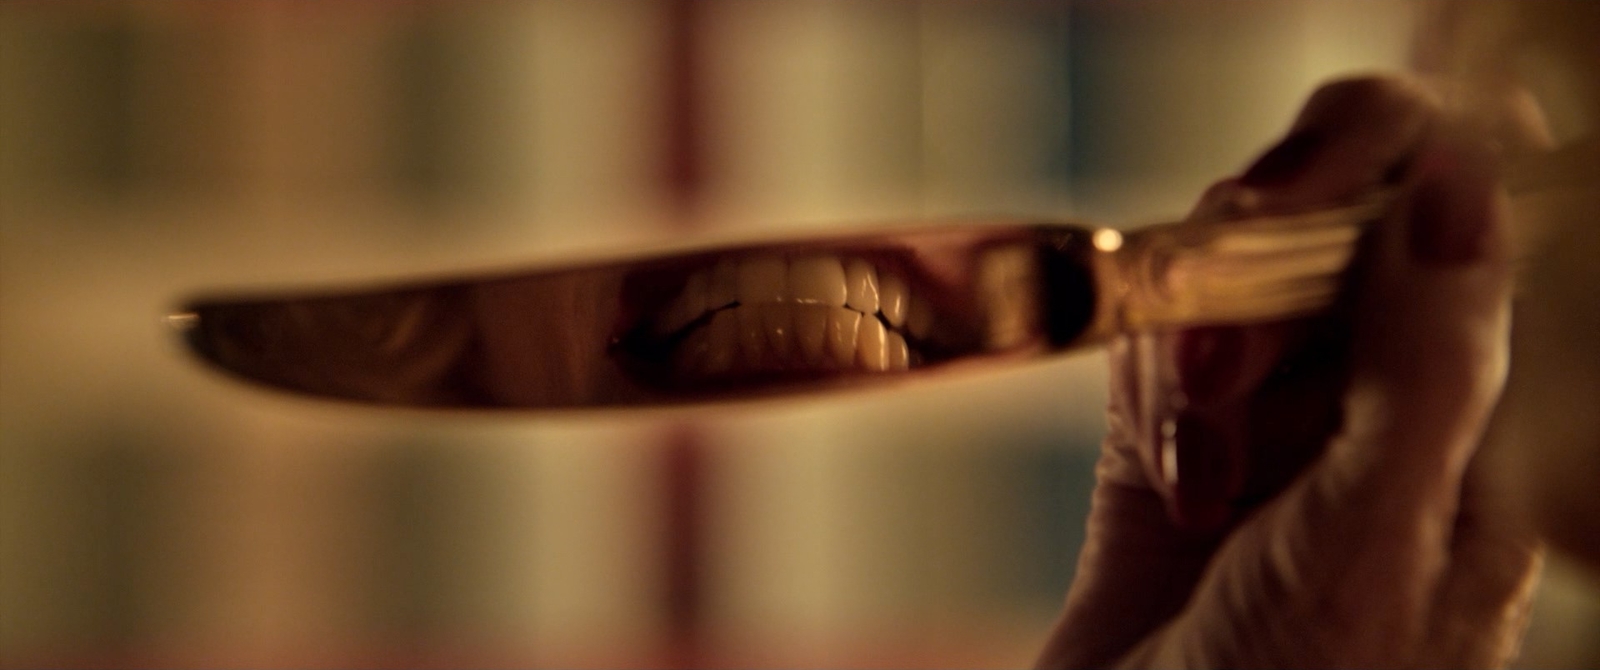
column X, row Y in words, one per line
column 152, row 513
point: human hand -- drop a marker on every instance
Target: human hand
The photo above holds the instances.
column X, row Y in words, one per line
column 1327, row 506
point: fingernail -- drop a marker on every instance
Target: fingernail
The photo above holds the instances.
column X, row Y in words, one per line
column 1209, row 361
column 1283, row 162
column 1208, row 476
column 1452, row 208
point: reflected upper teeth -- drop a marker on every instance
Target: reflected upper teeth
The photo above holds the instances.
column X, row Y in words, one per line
column 807, row 312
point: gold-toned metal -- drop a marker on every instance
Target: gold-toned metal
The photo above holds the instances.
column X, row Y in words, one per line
column 721, row 324
column 1264, row 268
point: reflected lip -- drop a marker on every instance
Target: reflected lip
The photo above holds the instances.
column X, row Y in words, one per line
column 674, row 340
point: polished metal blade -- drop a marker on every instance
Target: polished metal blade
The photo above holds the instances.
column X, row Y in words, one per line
column 756, row 320
column 702, row 326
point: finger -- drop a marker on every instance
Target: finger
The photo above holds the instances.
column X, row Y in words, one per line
column 1136, row 572
column 1194, row 398
column 1226, row 199
column 1352, row 136
column 1362, row 543
column 1294, row 411
column 1136, row 569
column 1205, row 459
column 1186, row 432
column 1370, row 528
column 1433, row 318
column 1482, row 604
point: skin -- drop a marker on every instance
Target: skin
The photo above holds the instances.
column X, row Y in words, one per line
column 1348, row 493
column 1333, row 505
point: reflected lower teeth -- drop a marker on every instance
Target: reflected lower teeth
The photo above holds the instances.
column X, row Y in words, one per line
column 770, row 313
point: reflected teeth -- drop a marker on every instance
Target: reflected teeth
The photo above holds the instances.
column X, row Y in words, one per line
column 817, row 280
column 763, row 279
column 861, row 286
column 812, row 312
column 898, row 353
column 809, row 280
column 893, row 297
column 872, row 346
column 711, row 350
column 691, row 303
column 791, row 337
column 811, row 332
column 777, row 324
column 841, row 336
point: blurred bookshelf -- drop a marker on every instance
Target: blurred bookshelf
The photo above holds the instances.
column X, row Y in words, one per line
column 152, row 513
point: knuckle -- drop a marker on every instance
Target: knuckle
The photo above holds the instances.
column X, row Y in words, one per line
column 1372, row 97
column 1364, row 90
column 1225, row 199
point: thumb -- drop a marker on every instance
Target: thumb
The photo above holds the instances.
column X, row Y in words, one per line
column 1430, row 350
column 1374, row 522
column 1357, row 548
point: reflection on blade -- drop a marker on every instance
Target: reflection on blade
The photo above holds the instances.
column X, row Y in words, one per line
column 403, row 347
column 712, row 325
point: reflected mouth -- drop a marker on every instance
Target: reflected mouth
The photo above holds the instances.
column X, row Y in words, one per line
column 774, row 314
